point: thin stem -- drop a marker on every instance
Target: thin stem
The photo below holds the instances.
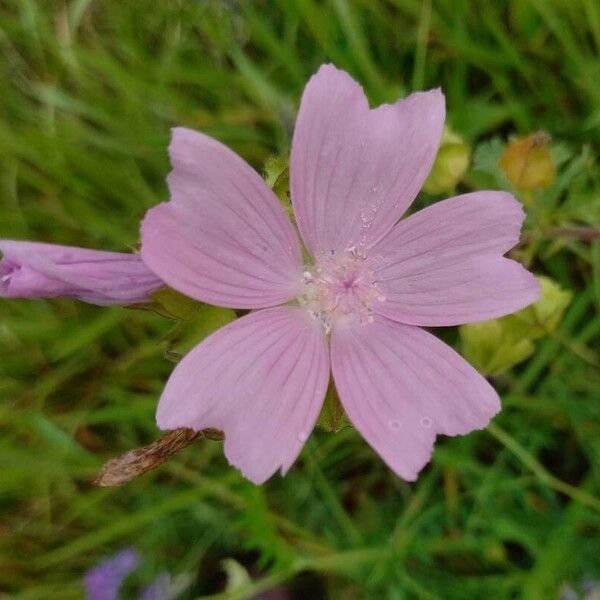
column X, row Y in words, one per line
column 338, row 512
column 539, row 470
column 337, row 561
column 222, row 492
column 418, row 78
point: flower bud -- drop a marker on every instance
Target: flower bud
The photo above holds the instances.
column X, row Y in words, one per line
column 527, row 162
column 34, row 270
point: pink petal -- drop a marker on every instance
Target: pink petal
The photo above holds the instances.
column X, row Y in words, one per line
column 223, row 238
column 34, row 270
column 354, row 171
column 261, row 380
column 444, row 264
column 400, row 386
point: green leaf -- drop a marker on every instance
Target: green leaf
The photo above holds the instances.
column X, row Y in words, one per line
column 496, row 345
column 486, row 171
column 487, row 155
column 237, row 575
column 205, row 320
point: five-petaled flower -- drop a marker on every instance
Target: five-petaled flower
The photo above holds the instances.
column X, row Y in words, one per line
column 357, row 307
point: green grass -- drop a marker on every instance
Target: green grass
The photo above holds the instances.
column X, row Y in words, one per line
column 89, row 92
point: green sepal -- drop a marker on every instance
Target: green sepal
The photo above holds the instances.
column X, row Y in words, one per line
column 170, row 304
column 277, row 177
column 333, row 417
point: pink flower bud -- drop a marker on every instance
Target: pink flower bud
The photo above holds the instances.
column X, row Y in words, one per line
column 34, row 270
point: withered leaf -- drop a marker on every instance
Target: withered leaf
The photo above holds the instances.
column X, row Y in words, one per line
column 134, row 463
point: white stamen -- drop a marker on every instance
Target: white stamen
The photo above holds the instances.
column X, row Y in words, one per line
column 341, row 286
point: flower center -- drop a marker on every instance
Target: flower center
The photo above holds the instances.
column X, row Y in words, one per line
column 339, row 287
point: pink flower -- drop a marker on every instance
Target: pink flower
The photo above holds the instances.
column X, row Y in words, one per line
column 223, row 238
column 34, row 270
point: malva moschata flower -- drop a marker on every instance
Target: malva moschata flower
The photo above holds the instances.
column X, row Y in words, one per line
column 357, row 308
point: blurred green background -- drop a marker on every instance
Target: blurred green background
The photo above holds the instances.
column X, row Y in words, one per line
column 89, row 92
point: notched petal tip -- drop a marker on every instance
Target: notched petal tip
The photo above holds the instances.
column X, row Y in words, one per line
column 223, row 237
column 413, row 475
column 434, row 95
column 246, row 471
column 366, row 164
column 184, row 134
column 491, row 407
column 185, row 144
column 331, row 70
column 446, row 265
column 505, row 201
column 260, row 380
column 431, row 105
column 413, row 472
column 400, row 412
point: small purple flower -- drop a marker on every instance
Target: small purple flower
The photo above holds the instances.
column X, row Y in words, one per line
column 104, row 581
column 357, row 307
column 34, row 270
